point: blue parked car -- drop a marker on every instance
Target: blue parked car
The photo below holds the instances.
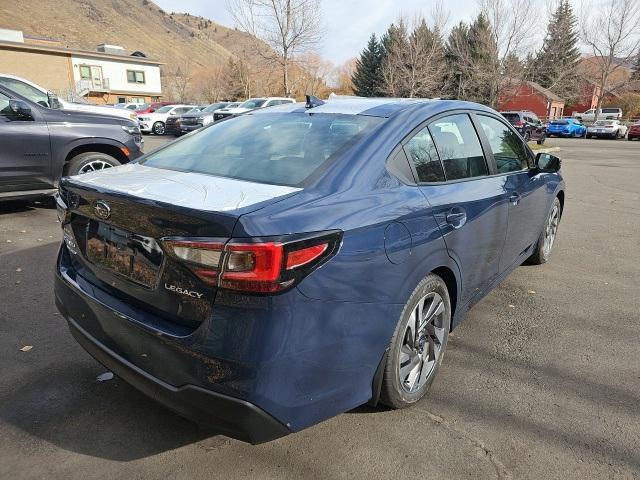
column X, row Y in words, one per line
column 283, row 266
column 566, row 127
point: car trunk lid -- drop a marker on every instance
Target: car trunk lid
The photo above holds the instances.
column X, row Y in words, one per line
column 120, row 217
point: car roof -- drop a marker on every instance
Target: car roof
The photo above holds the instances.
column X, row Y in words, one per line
column 374, row 106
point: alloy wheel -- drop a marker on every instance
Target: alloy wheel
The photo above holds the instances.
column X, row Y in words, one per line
column 422, row 342
column 551, row 229
column 94, row 165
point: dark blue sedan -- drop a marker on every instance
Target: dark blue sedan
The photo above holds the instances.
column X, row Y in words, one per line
column 289, row 264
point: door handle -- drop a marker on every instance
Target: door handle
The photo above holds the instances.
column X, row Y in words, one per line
column 456, row 218
column 514, row 198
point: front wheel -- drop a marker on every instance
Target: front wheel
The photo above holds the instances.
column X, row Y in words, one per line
column 90, row 162
column 158, row 128
column 547, row 236
column 542, row 139
column 418, row 344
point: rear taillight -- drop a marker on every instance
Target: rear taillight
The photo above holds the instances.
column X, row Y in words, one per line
column 255, row 265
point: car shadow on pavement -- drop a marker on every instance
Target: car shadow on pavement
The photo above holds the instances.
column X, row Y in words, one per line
column 19, row 206
column 51, row 392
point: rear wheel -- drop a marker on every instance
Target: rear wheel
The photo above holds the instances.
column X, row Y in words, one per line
column 541, row 140
column 547, row 236
column 418, row 344
column 90, row 162
column 526, row 136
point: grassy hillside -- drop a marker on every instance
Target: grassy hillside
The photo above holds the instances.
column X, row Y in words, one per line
column 180, row 40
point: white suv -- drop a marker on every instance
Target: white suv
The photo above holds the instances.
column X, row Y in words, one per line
column 42, row 96
column 252, row 104
column 155, row 122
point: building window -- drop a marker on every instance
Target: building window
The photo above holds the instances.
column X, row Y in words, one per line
column 135, row 76
column 85, row 71
column 122, row 99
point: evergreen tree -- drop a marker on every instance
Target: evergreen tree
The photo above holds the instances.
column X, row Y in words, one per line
column 556, row 64
column 636, row 69
column 367, row 77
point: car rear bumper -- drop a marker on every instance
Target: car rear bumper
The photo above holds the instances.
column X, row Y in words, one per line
column 231, row 416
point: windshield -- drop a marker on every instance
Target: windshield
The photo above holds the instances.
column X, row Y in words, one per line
column 194, row 110
column 164, row 109
column 26, row 90
column 604, row 122
column 282, row 149
column 560, row 122
column 253, row 103
column 610, row 110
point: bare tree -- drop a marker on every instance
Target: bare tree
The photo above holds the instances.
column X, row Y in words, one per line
column 613, row 37
column 316, row 70
column 211, row 84
column 179, row 80
column 512, row 28
column 288, row 27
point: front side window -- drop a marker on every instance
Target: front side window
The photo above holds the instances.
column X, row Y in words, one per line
column 135, row 76
column 276, row 148
column 459, row 147
column 26, row 90
column 422, row 152
column 5, row 110
column 508, row 149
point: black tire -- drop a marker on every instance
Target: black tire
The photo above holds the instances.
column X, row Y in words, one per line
column 394, row 392
column 88, row 162
column 158, row 128
column 541, row 254
column 526, row 136
column 541, row 140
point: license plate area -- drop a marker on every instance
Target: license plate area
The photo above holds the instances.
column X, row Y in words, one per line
column 135, row 257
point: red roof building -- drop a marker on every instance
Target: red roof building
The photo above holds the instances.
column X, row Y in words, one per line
column 532, row 97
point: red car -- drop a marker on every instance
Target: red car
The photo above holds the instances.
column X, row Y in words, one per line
column 151, row 107
column 634, row 131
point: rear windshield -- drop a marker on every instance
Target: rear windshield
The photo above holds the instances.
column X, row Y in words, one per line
column 276, row 148
column 560, row 122
column 604, row 122
column 511, row 117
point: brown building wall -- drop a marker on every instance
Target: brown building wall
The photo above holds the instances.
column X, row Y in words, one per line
column 50, row 71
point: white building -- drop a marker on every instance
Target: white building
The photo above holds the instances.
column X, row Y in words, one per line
column 107, row 75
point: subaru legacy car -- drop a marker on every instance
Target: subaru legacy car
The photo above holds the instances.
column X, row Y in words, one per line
column 289, row 264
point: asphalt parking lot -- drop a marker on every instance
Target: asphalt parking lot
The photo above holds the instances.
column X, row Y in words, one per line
column 542, row 379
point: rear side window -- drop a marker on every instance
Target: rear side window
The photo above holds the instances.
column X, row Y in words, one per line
column 459, row 147
column 507, row 147
column 422, row 152
column 277, row 148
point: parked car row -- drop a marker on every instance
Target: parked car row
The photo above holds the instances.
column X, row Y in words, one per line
column 178, row 119
column 531, row 128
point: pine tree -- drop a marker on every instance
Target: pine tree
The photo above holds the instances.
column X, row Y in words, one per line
column 556, row 64
column 635, row 75
column 367, row 78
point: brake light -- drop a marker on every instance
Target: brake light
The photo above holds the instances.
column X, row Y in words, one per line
column 258, row 266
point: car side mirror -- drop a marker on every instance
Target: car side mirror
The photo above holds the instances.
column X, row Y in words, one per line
column 53, row 100
column 545, row 162
column 21, row 109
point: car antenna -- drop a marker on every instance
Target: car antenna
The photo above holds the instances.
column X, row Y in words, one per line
column 313, row 101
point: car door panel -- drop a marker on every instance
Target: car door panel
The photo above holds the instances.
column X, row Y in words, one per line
column 468, row 205
column 25, row 156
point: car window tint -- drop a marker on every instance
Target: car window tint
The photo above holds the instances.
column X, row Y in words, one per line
column 422, row 152
column 277, row 148
column 458, row 147
column 508, row 149
column 26, row 90
column 5, row 110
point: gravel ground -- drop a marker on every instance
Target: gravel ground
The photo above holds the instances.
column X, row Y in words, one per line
column 542, row 379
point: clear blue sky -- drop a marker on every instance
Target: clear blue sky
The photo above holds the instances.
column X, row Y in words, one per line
column 348, row 23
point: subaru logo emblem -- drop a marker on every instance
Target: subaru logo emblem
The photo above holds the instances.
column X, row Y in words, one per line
column 102, row 209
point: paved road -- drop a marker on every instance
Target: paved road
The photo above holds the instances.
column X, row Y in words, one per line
column 542, row 380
